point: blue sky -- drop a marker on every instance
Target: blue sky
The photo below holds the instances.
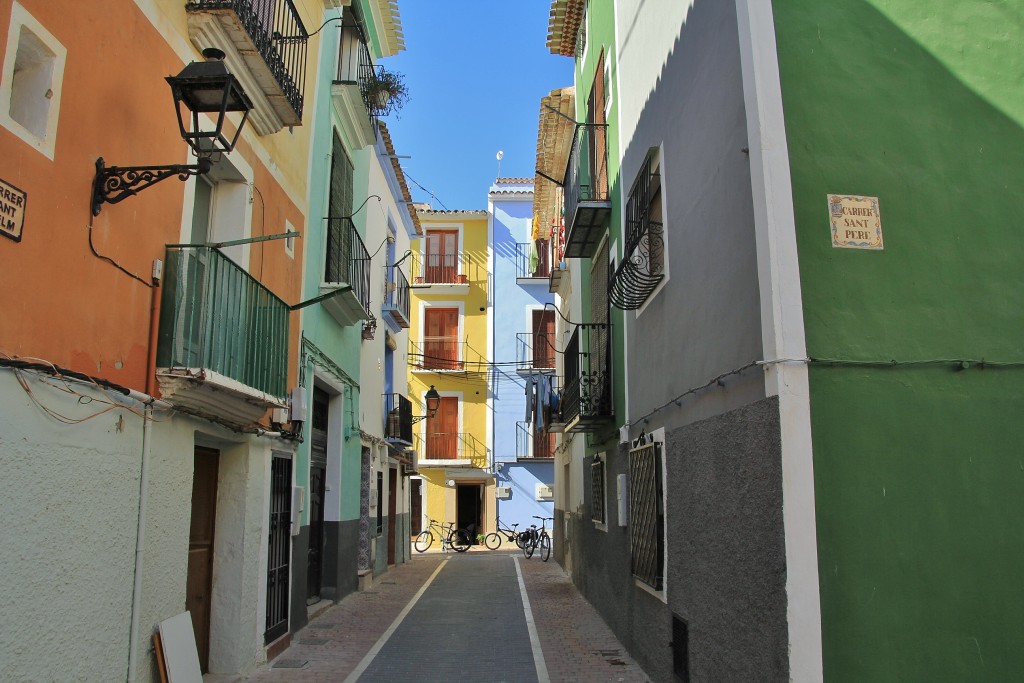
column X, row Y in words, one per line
column 476, row 71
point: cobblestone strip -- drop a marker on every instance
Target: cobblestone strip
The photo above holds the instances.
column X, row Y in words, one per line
column 333, row 644
column 578, row 645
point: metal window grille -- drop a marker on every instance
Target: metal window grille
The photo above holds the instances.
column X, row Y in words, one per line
column 278, row 550
column 380, row 503
column 646, row 514
column 597, row 490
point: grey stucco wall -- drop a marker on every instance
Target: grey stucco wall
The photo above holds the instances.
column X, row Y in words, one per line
column 725, row 551
column 603, row 575
column 297, row 614
column 706, row 318
column 341, row 559
column 726, row 569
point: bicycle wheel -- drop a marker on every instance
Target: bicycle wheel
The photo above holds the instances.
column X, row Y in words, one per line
column 459, row 540
column 545, row 547
column 423, row 541
column 492, row 540
column 522, row 538
column 530, row 546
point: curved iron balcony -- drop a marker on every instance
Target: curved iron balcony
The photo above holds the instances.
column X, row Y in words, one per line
column 641, row 270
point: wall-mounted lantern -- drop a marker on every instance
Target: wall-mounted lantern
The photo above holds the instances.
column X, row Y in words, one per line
column 433, row 403
column 203, row 88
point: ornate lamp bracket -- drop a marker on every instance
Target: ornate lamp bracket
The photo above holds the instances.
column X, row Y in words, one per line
column 116, row 183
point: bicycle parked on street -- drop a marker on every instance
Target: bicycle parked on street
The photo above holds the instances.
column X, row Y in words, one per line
column 493, row 539
column 538, row 538
column 451, row 538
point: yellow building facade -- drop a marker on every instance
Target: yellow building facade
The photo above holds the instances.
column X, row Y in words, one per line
column 449, row 352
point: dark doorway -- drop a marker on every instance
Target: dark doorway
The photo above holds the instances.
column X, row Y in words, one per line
column 279, row 548
column 317, row 490
column 416, row 507
column 469, row 508
column 392, row 512
column 199, row 581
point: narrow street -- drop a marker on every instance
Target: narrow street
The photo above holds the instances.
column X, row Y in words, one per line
column 450, row 617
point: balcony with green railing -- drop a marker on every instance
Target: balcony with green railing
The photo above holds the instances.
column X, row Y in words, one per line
column 222, row 351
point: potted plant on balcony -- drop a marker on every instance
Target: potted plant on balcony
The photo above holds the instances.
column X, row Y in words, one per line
column 386, row 92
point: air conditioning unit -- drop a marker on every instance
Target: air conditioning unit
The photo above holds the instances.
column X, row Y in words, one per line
column 544, row 492
column 502, row 492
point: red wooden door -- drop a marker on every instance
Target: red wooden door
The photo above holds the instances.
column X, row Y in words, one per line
column 441, row 339
column 442, row 431
column 442, row 257
column 543, row 339
column 199, row 577
column 392, row 512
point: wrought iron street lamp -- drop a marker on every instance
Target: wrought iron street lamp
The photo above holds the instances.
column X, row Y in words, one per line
column 203, row 88
column 433, row 403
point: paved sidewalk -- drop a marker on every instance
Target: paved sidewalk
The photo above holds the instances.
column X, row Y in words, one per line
column 468, row 624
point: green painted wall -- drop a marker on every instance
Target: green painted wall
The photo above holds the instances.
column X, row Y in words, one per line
column 341, row 344
column 918, row 468
column 601, row 37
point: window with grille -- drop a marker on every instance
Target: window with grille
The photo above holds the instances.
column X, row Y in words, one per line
column 597, row 488
column 646, row 515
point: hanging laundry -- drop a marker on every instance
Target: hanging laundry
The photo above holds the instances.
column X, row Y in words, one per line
column 530, row 398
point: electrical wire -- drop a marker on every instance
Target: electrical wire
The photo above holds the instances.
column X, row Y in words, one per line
column 432, row 195
column 92, row 248
column 953, row 363
column 47, row 371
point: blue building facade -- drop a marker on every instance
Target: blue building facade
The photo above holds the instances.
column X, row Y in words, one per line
column 523, row 349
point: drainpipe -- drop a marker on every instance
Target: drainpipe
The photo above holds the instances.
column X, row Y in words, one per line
column 147, row 441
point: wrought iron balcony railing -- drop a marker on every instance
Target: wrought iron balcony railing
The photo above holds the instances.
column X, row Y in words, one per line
column 274, row 32
column 586, row 400
column 587, row 200
column 438, row 353
column 533, row 259
column 535, row 351
column 440, row 269
column 532, row 443
column 643, row 262
column 397, row 418
column 356, row 65
column 215, row 316
column 449, row 446
column 396, row 296
column 347, row 264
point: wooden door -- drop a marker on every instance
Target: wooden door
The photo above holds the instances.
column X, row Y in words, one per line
column 598, row 166
column 543, row 328
column 442, row 257
column 441, row 339
column 317, row 492
column 199, row 581
column 442, row 431
column 392, row 512
column 416, row 507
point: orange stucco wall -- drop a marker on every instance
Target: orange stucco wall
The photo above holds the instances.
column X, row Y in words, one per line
column 59, row 301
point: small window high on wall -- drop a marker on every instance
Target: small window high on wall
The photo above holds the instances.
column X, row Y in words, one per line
column 32, row 78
